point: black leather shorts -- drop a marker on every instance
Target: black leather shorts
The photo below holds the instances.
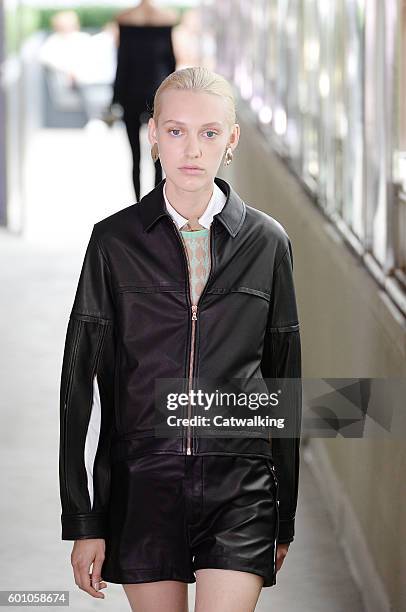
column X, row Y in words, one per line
column 173, row 514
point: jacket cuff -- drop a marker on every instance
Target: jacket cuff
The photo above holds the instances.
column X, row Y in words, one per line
column 83, row 526
column 286, row 531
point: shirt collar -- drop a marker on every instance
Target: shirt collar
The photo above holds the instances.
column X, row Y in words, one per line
column 215, row 205
column 151, row 208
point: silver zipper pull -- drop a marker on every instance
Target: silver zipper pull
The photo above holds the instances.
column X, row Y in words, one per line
column 194, row 312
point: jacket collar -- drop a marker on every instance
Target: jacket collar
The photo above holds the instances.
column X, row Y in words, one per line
column 215, row 205
column 152, row 207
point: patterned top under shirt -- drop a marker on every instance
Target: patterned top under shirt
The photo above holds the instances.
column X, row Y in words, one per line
column 197, row 246
column 197, row 242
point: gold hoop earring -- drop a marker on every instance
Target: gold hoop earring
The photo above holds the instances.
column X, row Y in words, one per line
column 229, row 156
column 155, row 152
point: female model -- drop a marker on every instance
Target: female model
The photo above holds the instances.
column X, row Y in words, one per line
column 190, row 283
column 145, row 57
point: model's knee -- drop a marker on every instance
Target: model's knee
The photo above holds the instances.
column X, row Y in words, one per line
column 168, row 595
column 223, row 590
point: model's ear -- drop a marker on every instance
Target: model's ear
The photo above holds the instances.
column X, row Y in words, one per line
column 235, row 135
column 152, row 132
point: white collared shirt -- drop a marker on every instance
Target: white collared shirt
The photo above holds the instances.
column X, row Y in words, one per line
column 215, row 205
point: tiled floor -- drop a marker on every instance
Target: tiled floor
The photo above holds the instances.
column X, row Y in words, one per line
column 74, row 179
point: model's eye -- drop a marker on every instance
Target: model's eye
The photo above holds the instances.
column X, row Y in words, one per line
column 211, row 132
column 174, row 130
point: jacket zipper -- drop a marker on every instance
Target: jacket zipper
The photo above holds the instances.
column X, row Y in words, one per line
column 189, row 409
column 189, row 299
column 69, row 385
column 66, row 402
column 102, row 335
column 194, row 309
column 194, row 318
column 277, row 515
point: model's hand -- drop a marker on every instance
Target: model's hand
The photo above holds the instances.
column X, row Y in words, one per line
column 281, row 552
column 84, row 553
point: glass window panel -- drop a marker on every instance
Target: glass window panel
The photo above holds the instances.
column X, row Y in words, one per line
column 311, row 59
column 353, row 141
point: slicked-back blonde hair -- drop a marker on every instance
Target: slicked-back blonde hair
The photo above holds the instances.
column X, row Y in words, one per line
column 199, row 79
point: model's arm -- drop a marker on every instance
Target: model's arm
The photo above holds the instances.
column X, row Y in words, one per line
column 87, row 401
column 120, row 80
column 282, row 359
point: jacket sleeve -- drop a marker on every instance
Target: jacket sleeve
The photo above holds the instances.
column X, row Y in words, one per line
column 282, row 359
column 86, row 401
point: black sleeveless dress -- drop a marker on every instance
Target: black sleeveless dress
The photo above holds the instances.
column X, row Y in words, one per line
column 145, row 57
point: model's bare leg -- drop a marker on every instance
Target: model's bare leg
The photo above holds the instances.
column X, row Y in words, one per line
column 168, row 595
column 222, row 590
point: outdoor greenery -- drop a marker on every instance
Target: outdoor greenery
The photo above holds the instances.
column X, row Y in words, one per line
column 25, row 20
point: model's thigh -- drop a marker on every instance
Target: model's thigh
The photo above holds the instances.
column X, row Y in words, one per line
column 222, row 590
column 168, row 595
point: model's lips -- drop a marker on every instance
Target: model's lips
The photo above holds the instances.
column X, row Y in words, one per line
column 191, row 169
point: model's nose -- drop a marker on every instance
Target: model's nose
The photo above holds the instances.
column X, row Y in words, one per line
column 192, row 149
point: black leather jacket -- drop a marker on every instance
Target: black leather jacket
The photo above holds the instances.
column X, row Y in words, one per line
column 132, row 322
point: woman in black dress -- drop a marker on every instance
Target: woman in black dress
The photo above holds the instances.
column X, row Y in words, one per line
column 145, row 57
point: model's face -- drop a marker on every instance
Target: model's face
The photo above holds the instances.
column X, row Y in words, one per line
column 192, row 131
